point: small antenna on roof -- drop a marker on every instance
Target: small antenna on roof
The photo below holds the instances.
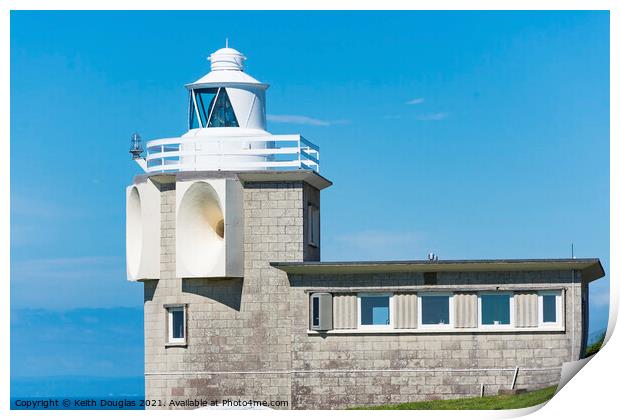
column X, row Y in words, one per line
column 226, row 42
column 572, row 250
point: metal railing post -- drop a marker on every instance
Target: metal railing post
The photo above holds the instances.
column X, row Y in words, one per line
column 318, row 160
column 161, row 150
column 299, row 152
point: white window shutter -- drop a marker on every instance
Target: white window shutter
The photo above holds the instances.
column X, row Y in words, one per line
column 526, row 309
column 465, row 310
column 345, row 311
column 405, row 310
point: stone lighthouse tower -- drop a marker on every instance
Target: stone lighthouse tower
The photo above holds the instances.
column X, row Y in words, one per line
column 206, row 217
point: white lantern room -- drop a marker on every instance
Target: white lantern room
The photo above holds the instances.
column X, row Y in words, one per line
column 227, row 128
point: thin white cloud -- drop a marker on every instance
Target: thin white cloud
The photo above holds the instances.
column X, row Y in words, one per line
column 437, row 116
column 302, row 119
column 415, row 101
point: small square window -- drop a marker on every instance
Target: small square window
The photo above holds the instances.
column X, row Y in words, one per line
column 374, row 311
column 495, row 309
column 176, row 324
column 435, row 309
column 549, row 308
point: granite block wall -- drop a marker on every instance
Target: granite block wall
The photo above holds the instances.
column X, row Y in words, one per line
column 337, row 370
column 238, row 342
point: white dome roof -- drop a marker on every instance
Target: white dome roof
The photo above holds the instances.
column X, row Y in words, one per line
column 226, row 69
column 227, row 59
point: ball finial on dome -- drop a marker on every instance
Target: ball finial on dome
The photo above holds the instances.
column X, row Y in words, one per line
column 227, row 59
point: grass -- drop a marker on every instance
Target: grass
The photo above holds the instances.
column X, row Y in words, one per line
column 596, row 346
column 497, row 402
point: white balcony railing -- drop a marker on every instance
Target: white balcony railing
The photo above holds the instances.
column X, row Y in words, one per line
column 276, row 152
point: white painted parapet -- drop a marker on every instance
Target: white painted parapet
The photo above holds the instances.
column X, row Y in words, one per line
column 231, row 153
column 142, row 232
column 209, row 228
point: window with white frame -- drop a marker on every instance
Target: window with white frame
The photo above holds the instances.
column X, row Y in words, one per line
column 435, row 309
column 374, row 310
column 313, row 225
column 496, row 309
column 176, row 324
column 550, row 308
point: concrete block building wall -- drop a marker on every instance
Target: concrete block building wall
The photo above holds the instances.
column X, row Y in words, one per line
column 248, row 338
column 238, row 329
column 361, row 368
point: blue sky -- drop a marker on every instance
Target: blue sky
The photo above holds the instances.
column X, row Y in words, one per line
column 468, row 134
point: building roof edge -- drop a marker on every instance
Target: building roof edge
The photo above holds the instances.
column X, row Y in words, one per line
column 591, row 268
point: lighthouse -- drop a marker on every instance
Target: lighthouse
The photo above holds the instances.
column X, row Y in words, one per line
column 223, row 235
column 226, row 133
column 205, row 216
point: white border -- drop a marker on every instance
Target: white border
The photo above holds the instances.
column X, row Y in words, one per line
column 170, row 340
column 592, row 393
column 559, row 308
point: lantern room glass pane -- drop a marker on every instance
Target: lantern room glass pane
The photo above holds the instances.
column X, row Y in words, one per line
column 212, row 108
column 193, row 120
column 204, row 97
column 222, row 113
